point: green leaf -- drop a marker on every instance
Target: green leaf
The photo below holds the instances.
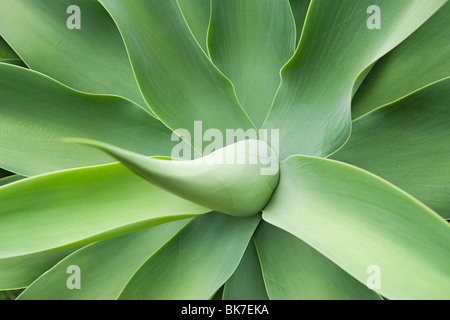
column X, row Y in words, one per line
column 194, row 263
column 407, row 143
column 79, row 206
column 232, row 180
column 20, row 272
column 177, row 79
column 91, row 59
column 104, row 267
column 312, row 106
column 249, row 41
column 36, row 111
column 294, row 271
column 421, row 59
column 361, row 222
column 247, row 282
column 196, row 13
column 299, row 9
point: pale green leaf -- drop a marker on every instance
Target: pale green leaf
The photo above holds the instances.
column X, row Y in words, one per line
column 249, row 41
column 421, row 59
column 247, row 282
column 36, row 111
column 238, row 179
column 312, row 106
column 295, row 271
column 196, row 13
column 196, row 262
column 407, row 143
column 91, row 59
column 79, row 206
column 363, row 223
column 104, row 267
column 177, row 79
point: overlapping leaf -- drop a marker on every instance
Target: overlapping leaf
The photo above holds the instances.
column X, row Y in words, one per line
column 196, row 262
column 105, row 267
column 295, row 271
column 19, row 272
column 358, row 221
column 177, row 79
column 91, row 59
column 252, row 59
column 197, row 14
column 36, row 112
column 312, row 105
column 247, row 282
column 79, row 206
column 299, row 9
column 421, row 59
column 407, row 143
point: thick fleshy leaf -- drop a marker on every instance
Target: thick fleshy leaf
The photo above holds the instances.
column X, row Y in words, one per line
column 365, row 225
column 7, row 54
column 421, row 59
column 79, row 206
column 312, row 106
column 196, row 262
column 407, row 143
column 177, row 79
column 104, row 267
column 36, row 111
column 247, row 282
column 91, row 59
column 20, row 272
column 299, row 9
column 197, row 14
column 238, row 179
column 295, row 271
column 249, row 41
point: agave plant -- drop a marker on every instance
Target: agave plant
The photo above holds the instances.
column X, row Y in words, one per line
column 96, row 96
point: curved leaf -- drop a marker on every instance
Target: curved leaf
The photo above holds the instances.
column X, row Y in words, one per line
column 194, row 263
column 79, row 206
column 312, row 106
column 197, row 14
column 20, row 272
column 249, row 41
column 91, row 59
column 36, row 111
column 407, row 143
column 178, row 80
column 421, row 59
column 247, row 282
column 299, row 9
column 363, row 223
column 294, row 271
column 231, row 180
column 104, row 267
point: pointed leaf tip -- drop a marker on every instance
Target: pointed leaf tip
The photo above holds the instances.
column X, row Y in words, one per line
column 238, row 179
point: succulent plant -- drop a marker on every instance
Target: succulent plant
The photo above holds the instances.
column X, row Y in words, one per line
column 226, row 149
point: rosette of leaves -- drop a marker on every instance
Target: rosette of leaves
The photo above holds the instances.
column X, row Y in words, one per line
column 356, row 211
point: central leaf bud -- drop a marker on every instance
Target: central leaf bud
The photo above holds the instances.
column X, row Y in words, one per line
column 238, row 179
